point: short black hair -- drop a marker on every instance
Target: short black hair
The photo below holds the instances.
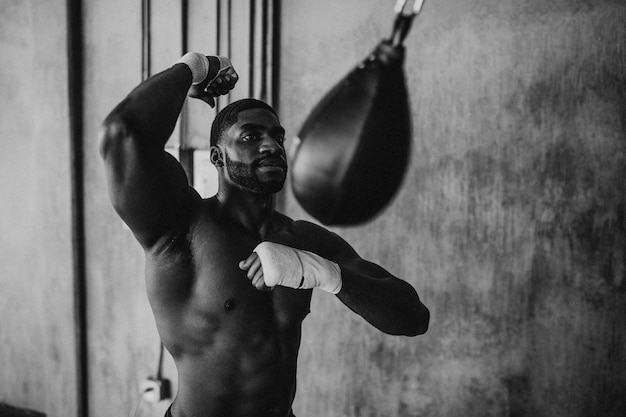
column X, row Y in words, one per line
column 228, row 116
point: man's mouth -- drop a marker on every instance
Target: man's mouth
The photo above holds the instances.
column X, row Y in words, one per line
column 273, row 163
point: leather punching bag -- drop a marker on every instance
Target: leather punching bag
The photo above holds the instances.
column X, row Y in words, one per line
column 354, row 147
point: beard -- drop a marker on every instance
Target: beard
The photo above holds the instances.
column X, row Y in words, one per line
column 246, row 176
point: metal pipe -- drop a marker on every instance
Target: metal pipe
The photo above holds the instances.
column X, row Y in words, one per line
column 75, row 102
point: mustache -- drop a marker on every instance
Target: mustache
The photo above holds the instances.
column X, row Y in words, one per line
column 274, row 160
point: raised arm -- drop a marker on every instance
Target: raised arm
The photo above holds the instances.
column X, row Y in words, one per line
column 147, row 186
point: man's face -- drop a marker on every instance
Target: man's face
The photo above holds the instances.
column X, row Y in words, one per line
column 254, row 153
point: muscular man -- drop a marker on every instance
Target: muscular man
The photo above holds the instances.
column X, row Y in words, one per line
column 228, row 310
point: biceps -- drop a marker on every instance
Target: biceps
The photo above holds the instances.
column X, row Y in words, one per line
column 148, row 189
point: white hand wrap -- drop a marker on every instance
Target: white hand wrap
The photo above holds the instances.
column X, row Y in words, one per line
column 197, row 63
column 295, row 268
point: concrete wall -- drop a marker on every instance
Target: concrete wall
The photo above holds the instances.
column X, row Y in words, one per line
column 510, row 223
column 37, row 332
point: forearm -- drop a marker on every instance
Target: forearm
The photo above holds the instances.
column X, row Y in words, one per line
column 386, row 302
column 149, row 113
column 389, row 304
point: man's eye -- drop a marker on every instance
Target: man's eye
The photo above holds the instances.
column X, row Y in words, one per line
column 251, row 136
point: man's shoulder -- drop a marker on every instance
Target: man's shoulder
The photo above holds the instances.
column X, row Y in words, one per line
column 303, row 234
column 204, row 209
column 311, row 228
column 300, row 227
column 314, row 232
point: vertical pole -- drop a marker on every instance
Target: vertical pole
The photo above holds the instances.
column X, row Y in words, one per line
column 275, row 45
column 145, row 39
column 251, row 51
column 185, row 153
column 75, row 101
column 263, row 93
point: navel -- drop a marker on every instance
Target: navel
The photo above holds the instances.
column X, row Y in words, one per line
column 229, row 305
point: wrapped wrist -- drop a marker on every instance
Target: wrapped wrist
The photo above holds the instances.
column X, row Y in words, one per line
column 295, row 268
column 197, row 63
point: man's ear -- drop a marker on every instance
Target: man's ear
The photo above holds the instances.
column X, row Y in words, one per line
column 216, row 156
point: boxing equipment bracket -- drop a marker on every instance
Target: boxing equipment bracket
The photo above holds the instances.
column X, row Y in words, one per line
column 403, row 21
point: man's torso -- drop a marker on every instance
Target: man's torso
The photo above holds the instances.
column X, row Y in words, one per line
column 235, row 347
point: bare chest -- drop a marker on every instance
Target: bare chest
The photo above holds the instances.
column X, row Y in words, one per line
column 198, row 282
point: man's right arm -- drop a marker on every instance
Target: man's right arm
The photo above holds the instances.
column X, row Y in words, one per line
column 147, row 186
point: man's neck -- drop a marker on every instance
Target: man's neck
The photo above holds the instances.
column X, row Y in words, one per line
column 252, row 210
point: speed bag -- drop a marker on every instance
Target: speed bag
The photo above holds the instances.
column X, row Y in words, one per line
column 352, row 151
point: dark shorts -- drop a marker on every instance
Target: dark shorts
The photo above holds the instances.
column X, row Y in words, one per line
column 168, row 413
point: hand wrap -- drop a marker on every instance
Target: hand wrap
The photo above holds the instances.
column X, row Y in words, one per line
column 197, row 63
column 295, row 268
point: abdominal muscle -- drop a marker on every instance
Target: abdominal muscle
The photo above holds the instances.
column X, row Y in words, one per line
column 238, row 362
column 232, row 379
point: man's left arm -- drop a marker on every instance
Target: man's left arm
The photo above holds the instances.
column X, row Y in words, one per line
column 385, row 301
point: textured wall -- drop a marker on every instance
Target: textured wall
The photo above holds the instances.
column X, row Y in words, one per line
column 37, row 340
column 510, row 223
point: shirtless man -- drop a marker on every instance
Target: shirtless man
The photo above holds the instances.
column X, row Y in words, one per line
column 231, row 314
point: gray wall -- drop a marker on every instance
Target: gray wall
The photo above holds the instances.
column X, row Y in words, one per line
column 510, row 222
column 37, row 340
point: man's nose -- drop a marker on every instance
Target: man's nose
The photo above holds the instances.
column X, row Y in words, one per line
column 270, row 145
